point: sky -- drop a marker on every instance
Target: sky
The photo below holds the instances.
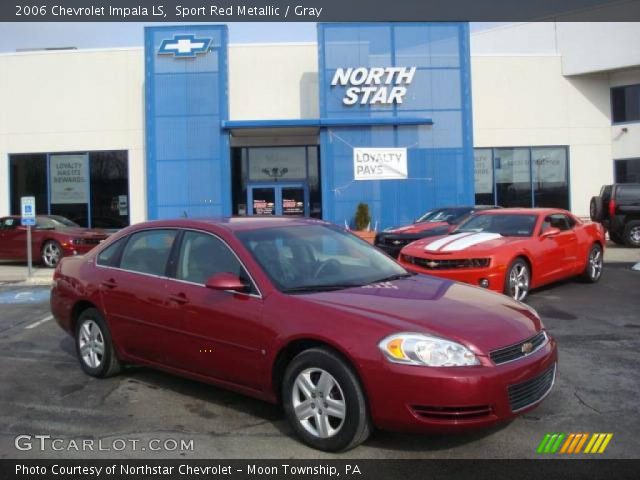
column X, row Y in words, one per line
column 14, row 36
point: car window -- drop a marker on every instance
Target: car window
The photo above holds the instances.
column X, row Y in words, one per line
column 507, row 225
column 109, row 256
column 559, row 221
column 629, row 194
column 203, row 255
column 8, row 223
column 148, row 251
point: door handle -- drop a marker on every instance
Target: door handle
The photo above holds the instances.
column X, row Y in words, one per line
column 111, row 283
column 180, row 298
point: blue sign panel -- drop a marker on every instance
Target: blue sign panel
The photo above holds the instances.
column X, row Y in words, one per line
column 188, row 171
column 389, row 72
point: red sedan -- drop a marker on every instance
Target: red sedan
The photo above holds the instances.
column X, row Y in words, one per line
column 512, row 250
column 52, row 238
column 301, row 312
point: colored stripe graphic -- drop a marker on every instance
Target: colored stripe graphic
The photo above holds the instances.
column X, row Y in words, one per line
column 572, row 443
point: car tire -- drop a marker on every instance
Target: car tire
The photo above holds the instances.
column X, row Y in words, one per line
column 631, row 235
column 596, row 209
column 517, row 282
column 51, row 253
column 593, row 268
column 307, row 407
column 96, row 353
column 615, row 238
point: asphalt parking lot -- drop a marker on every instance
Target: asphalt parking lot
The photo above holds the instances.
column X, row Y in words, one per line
column 44, row 392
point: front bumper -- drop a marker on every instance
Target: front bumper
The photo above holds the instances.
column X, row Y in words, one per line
column 454, row 399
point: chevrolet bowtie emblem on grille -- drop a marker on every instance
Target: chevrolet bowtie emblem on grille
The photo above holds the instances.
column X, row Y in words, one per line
column 432, row 264
column 397, row 242
column 184, row 46
column 527, row 347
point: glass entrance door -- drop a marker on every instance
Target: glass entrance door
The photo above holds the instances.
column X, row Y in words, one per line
column 290, row 199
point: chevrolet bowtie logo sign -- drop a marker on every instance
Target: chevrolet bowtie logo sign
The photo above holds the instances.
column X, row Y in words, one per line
column 184, row 46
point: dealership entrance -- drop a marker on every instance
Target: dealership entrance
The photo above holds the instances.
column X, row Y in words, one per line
column 289, row 199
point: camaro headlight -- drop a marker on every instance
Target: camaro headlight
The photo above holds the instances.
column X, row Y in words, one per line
column 426, row 350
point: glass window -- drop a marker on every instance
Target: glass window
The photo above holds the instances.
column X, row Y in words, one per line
column 513, row 177
column 483, row 170
column 313, row 179
column 628, row 170
column 109, row 189
column 550, row 179
column 203, row 255
column 507, row 225
column 559, row 221
column 317, row 257
column 8, row 223
column 28, row 177
column 277, row 163
column 625, row 104
column 148, row 251
column 109, row 256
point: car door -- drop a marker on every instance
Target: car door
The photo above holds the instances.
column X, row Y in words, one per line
column 133, row 289
column 13, row 239
column 221, row 332
column 558, row 252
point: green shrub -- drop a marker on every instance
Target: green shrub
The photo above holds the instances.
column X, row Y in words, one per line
column 362, row 219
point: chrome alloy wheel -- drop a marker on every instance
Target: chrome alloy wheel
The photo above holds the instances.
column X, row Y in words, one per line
column 519, row 281
column 319, row 403
column 634, row 235
column 51, row 254
column 91, row 343
column 595, row 263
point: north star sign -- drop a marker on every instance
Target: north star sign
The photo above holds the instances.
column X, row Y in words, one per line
column 376, row 85
column 184, row 46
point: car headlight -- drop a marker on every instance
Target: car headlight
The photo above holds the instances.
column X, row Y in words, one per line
column 426, row 350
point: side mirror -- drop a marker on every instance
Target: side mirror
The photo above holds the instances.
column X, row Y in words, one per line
column 550, row 232
column 226, row 281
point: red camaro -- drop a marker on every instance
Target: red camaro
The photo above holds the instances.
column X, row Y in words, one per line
column 52, row 238
column 512, row 250
column 301, row 312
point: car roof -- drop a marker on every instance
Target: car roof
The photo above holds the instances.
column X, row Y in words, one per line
column 233, row 223
column 524, row 211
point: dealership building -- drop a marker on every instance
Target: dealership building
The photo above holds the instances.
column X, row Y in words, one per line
column 401, row 116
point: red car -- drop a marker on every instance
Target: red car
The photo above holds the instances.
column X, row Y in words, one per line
column 301, row 312
column 52, row 238
column 512, row 250
column 435, row 222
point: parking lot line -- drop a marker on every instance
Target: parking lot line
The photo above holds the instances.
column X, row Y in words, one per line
column 39, row 322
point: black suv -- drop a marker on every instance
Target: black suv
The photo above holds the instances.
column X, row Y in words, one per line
column 618, row 209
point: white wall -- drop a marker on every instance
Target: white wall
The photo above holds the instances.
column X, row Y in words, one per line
column 60, row 101
column 256, row 70
column 526, row 101
column 516, row 39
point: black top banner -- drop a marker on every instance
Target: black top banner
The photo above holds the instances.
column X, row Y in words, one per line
column 222, row 11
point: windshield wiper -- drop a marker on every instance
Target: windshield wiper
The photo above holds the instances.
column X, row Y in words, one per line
column 397, row 276
column 320, row 288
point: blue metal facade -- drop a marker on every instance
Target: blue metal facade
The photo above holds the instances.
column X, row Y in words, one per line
column 188, row 171
column 440, row 156
column 188, row 157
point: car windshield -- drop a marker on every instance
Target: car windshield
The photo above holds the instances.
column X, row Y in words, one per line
column 443, row 215
column 507, row 225
column 55, row 221
column 305, row 258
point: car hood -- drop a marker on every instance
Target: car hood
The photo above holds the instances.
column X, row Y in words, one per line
column 469, row 242
column 83, row 232
column 419, row 227
column 478, row 318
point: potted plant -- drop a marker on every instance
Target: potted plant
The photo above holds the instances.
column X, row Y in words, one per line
column 362, row 223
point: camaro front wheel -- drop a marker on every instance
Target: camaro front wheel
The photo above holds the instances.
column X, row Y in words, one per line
column 324, row 402
column 94, row 346
column 51, row 253
column 518, row 280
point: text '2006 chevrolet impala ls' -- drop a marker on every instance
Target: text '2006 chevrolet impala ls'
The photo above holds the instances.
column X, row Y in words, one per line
column 300, row 312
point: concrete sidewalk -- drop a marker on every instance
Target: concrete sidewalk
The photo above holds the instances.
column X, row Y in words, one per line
column 16, row 273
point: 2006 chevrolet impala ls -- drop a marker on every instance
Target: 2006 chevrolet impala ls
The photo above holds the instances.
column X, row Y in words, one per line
column 301, row 312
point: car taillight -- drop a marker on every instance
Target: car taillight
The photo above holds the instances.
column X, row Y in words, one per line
column 612, row 207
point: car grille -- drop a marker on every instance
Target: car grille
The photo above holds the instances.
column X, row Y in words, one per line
column 451, row 413
column 447, row 264
column 525, row 394
column 519, row 350
column 88, row 241
column 391, row 242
